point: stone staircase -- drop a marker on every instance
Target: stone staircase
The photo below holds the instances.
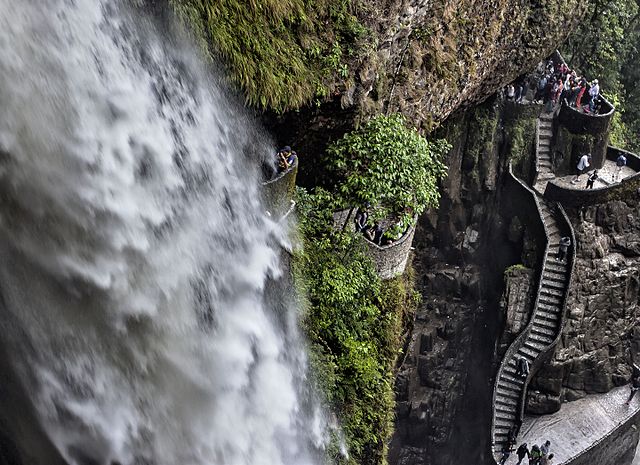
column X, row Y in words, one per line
column 541, row 333
column 543, row 153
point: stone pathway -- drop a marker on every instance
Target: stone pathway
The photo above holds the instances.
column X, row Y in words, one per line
column 606, row 174
column 579, row 424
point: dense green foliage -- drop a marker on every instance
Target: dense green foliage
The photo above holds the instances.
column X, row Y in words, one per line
column 354, row 322
column 606, row 46
column 388, row 165
column 281, row 53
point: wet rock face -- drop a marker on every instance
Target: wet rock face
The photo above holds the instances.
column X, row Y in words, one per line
column 602, row 332
column 428, row 59
column 516, row 303
column 433, row 375
column 444, row 386
column 439, row 56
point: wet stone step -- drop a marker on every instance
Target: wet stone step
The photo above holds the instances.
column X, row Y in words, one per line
column 533, row 345
column 551, row 292
column 550, row 300
column 539, row 338
column 503, row 424
column 542, row 316
column 554, row 309
column 527, row 353
column 509, row 384
column 555, row 275
column 553, row 284
column 513, row 395
column 552, row 325
column 506, row 402
column 556, row 266
column 539, row 329
column 513, row 379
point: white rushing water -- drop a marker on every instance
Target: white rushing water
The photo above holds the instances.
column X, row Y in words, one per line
column 135, row 250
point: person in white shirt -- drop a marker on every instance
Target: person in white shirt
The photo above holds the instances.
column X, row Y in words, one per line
column 583, row 164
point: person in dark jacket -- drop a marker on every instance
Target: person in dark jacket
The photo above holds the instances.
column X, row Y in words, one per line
column 565, row 243
column 593, row 177
column 375, row 234
column 522, row 367
column 522, row 452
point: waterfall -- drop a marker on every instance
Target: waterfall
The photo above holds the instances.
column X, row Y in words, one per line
column 135, row 254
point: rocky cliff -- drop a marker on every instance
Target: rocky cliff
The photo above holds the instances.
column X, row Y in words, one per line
column 602, row 336
column 444, row 385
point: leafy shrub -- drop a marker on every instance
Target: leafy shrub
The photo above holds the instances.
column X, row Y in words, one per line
column 388, row 165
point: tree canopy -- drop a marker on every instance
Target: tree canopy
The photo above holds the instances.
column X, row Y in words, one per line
column 606, row 46
column 389, row 166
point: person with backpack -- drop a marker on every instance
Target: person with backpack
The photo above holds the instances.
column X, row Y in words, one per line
column 535, row 455
column 621, row 162
column 547, row 460
column 593, row 177
column 544, row 448
column 522, row 452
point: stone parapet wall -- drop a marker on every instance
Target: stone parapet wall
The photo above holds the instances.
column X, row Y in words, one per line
column 578, row 123
column 615, row 448
column 279, row 191
column 577, row 197
column 391, row 260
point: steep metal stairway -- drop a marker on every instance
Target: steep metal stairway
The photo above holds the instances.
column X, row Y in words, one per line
column 543, row 154
column 541, row 333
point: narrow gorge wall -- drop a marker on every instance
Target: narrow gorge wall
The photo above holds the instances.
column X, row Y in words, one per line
column 444, row 386
column 602, row 336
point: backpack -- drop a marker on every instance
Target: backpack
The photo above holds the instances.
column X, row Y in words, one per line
column 535, row 452
column 621, row 161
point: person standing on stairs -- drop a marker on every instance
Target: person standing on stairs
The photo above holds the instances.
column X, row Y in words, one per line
column 522, row 367
column 583, row 164
column 565, row 243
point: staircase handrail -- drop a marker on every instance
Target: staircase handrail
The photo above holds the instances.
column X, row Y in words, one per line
column 522, row 337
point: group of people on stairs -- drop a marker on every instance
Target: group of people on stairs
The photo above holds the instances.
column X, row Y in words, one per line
column 554, row 83
column 538, row 455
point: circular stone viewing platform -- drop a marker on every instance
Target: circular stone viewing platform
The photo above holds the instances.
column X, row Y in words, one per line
column 606, row 177
column 580, row 427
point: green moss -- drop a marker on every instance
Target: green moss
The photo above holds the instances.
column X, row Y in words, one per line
column 515, row 268
column 354, row 322
column 281, row 53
